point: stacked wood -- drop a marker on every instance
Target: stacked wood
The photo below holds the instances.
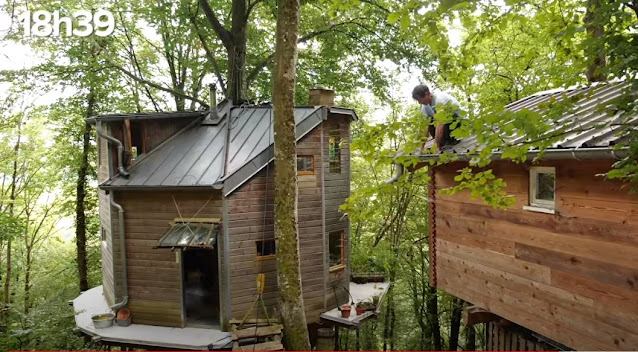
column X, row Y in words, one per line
column 256, row 335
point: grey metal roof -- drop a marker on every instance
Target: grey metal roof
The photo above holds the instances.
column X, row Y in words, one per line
column 592, row 127
column 192, row 157
column 197, row 156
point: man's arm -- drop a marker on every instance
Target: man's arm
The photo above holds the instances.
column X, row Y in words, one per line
column 439, row 136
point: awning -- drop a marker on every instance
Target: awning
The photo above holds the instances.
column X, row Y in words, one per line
column 184, row 235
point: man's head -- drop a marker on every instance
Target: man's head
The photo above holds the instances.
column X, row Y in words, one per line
column 421, row 93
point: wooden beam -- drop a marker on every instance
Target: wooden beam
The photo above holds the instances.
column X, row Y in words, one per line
column 473, row 315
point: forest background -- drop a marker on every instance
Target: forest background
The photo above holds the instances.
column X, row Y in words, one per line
column 163, row 55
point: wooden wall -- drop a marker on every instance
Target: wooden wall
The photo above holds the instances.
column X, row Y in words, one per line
column 104, row 207
column 572, row 277
column 247, row 224
column 154, row 275
column 337, row 190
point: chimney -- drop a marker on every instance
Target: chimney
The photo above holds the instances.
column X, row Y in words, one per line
column 321, row 96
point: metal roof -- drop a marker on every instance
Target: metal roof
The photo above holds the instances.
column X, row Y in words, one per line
column 147, row 116
column 593, row 127
column 224, row 154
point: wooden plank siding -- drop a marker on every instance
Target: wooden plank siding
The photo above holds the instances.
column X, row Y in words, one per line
column 104, row 209
column 154, row 274
column 336, row 191
column 572, row 276
column 250, row 213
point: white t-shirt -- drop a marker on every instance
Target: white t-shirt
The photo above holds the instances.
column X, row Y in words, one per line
column 438, row 98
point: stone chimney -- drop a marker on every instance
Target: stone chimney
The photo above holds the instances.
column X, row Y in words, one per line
column 321, row 96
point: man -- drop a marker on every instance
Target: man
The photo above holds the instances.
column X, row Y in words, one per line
column 430, row 101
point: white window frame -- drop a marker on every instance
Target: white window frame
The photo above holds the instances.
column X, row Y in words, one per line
column 533, row 187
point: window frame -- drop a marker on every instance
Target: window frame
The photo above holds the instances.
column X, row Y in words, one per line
column 265, row 257
column 336, row 134
column 533, row 187
column 342, row 263
column 312, row 162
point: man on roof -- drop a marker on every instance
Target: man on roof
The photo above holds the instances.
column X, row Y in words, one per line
column 429, row 101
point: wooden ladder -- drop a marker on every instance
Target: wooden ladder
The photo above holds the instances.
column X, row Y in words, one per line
column 265, row 337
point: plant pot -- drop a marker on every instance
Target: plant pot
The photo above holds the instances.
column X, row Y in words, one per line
column 345, row 311
column 360, row 309
column 123, row 317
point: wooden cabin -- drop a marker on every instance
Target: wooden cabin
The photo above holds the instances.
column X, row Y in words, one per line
column 562, row 263
column 186, row 205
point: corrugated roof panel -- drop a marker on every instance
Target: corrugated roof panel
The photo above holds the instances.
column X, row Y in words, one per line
column 592, row 125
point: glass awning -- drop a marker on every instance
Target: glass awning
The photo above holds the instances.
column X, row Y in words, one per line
column 197, row 235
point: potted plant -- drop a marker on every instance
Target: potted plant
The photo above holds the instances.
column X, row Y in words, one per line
column 345, row 311
column 360, row 308
column 375, row 300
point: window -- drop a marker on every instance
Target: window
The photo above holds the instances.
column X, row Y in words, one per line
column 334, row 152
column 542, row 184
column 336, row 247
column 305, row 165
column 266, row 249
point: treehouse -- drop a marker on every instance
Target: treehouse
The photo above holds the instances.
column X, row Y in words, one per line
column 186, row 211
column 559, row 269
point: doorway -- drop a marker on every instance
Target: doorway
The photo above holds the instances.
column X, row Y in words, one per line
column 200, row 272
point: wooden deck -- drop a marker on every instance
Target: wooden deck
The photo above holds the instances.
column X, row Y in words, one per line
column 93, row 302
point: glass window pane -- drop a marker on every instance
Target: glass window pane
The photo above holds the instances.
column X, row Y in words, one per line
column 305, row 163
column 334, row 245
column 265, row 248
column 545, row 186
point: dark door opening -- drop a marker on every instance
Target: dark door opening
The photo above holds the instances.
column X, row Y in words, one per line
column 201, row 287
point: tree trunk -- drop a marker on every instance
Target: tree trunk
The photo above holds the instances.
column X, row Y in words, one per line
column 288, row 268
column 27, row 281
column 80, row 211
column 470, row 337
column 12, row 197
column 433, row 313
column 455, row 323
column 595, row 53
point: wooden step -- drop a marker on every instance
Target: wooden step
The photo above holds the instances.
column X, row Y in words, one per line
column 253, row 321
column 257, row 332
column 264, row 346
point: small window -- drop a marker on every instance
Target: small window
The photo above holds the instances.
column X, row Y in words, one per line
column 305, row 165
column 334, row 152
column 336, row 246
column 542, row 185
column 266, row 249
column 103, row 233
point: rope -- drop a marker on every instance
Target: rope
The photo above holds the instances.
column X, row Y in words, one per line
column 263, row 228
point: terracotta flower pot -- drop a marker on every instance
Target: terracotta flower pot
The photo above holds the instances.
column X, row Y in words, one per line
column 360, row 309
column 345, row 311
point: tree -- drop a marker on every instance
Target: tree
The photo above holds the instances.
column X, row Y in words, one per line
column 288, row 269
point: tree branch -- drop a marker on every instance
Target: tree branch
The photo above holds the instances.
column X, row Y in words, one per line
column 222, row 33
column 375, row 5
column 209, row 55
column 157, row 86
column 263, row 63
column 251, row 6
